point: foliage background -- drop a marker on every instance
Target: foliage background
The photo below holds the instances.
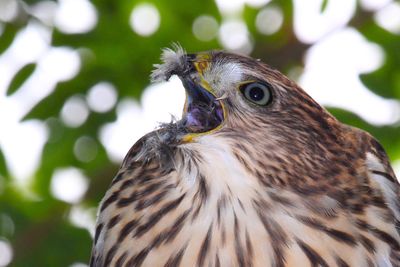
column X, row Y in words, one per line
column 34, row 223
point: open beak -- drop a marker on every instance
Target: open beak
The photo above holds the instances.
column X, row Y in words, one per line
column 203, row 112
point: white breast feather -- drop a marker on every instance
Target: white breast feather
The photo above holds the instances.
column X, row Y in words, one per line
column 387, row 187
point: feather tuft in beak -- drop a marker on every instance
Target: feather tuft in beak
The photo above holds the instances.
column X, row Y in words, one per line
column 174, row 62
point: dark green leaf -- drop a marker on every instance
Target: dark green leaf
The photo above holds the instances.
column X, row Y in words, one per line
column 3, row 166
column 20, row 78
column 7, row 37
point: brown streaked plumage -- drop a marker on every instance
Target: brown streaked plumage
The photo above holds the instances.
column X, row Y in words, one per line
column 249, row 180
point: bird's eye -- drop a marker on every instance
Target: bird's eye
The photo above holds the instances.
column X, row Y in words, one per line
column 257, row 93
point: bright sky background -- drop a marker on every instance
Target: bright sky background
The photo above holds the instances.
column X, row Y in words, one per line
column 331, row 78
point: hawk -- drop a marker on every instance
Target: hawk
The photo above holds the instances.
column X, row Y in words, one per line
column 256, row 173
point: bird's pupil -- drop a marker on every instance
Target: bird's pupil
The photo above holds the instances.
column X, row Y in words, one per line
column 256, row 93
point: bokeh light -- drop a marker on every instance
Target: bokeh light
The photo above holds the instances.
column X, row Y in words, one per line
column 269, row 20
column 61, row 63
column 85, row 149
column 205, row 28
column 75, row 16
column 8, row 10
column 45, row 11
column 230, row 6
column 389, row 17
column 102, row 97
column 69, row 184
column 234, row 36
column 118, row 137
column 75, row 111
column 356, row 56
column 145, row 19
column 23, row 155
column 160, row 103
column 310, row 24
column 34, row 36
column 83, row 217
column 163, row 101
column 374, row 5
column 6, row 253
column 257, row 3
column 78, row 264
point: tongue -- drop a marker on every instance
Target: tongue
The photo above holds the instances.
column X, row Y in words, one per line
column 194, row 118
column 202, row 118
column 199, row 118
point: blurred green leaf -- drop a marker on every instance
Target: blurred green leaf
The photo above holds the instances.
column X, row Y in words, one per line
column 7, row 37
column 385, row 81
column 324, row 4
column 3, row 165
column 20, row 78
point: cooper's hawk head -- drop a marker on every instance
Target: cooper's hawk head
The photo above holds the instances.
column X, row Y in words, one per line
column 248, row 103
